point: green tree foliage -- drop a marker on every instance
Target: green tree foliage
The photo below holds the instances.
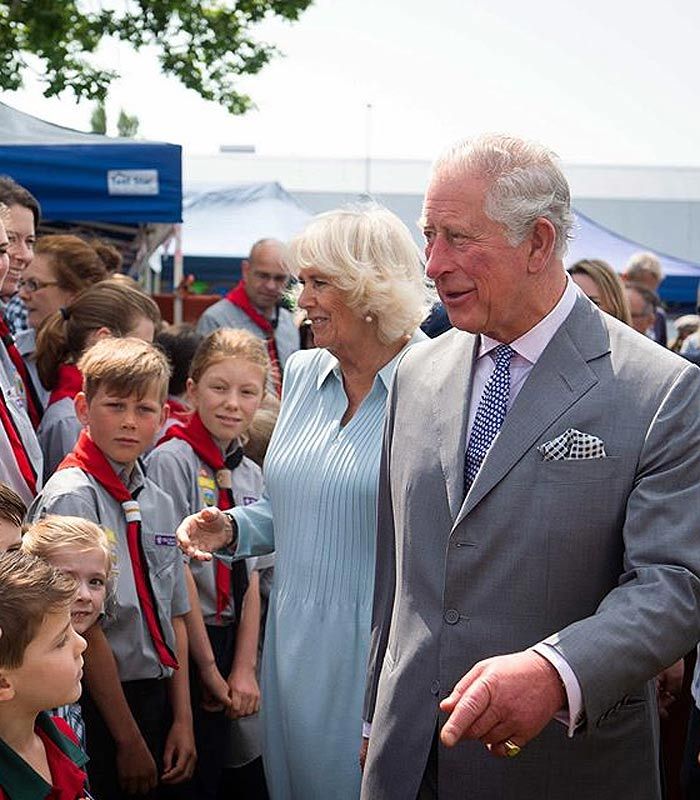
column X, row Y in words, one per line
column 127, row 125
column 98, row 119
column 206, row 44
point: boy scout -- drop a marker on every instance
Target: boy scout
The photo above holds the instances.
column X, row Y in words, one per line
column 40, row 667
column 122, row 405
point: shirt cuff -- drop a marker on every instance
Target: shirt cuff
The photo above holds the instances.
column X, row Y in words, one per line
column 366, row 729
column 573, row 716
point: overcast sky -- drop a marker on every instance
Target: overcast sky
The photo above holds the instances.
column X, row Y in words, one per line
column 605, row 81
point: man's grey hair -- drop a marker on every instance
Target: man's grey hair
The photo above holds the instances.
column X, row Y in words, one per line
column 525, row 180
column 640, row 263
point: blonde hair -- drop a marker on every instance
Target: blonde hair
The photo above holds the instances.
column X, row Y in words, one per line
column 63, row 335
column 229, row 343
column 261, row 429
column 612, row 291
column 30, row 589
column 4, row 213
column 124, row 366
column 54, row 534
column 369, row 255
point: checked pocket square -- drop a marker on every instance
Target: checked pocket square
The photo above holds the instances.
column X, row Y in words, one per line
column 573, row 444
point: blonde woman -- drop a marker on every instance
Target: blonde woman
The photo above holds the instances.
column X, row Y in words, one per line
column 364, row 294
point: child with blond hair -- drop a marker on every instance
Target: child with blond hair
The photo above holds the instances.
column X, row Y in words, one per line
column 78, row 548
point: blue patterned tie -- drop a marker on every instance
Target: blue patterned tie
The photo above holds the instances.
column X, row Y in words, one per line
column 489, row 415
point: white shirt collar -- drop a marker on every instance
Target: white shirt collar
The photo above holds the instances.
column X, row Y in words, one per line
column 531, row 344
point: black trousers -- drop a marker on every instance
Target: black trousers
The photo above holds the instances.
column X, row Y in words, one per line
column 690, row 771
column 150, row 706
column 211, row 728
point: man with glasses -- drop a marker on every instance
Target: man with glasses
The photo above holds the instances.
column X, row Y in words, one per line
column 255, row 305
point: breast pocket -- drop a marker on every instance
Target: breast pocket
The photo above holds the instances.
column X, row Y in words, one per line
column 580, row 470
column 161, row 553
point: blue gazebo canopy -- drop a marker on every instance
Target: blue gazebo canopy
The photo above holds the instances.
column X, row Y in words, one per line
column 86, row 177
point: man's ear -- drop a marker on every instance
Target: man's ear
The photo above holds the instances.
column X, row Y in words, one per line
column 7, row 690
column 245, row 267
column 82, row 410
column 542, row 241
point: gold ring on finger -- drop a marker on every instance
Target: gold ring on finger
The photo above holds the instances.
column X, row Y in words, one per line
column 511, row 748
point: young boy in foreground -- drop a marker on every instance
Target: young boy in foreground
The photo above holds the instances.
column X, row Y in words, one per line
column 40, row 667
column 122, row 406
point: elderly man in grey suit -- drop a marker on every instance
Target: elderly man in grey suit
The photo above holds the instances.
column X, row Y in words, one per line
column 539, row 550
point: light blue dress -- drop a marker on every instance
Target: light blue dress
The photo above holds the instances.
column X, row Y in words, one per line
column 321, row 490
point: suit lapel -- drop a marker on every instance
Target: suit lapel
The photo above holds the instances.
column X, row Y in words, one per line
column 452, row 371
column 560, row 377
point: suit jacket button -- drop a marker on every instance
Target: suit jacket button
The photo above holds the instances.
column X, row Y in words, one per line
column 435, row 688
column 451, row 616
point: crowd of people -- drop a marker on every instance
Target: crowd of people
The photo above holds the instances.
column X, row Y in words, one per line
column 429, row 550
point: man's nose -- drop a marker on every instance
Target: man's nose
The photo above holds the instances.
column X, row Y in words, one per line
column 436, row 258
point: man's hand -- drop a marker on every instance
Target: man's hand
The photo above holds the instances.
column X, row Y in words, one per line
column 507, row 697
column 136, row 769
column 200, row 534
column 245, row 693
column 180, row 755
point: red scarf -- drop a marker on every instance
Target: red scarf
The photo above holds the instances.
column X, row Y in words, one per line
column 33, row 403
column 200, row 440
column 239, row 297
column 18, row 450
column 69, row 383
column 86, row 455
column 178, row 411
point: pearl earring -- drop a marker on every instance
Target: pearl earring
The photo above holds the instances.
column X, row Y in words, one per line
column 369, row 318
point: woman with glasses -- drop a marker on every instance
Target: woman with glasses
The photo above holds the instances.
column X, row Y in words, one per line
column 61, row 268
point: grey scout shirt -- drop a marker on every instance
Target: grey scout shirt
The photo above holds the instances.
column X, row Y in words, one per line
column 192, row 486
column 73, row 492
column 225, row 315
column 58, row 433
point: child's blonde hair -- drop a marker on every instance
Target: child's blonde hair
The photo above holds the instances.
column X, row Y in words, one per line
column 55, row 534
column 229, row 343
column 124, row 367
column 261, row 429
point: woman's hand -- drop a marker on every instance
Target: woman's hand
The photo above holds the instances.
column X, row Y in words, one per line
column 204, row 532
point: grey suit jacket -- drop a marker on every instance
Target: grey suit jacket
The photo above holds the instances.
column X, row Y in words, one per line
column 601, row 557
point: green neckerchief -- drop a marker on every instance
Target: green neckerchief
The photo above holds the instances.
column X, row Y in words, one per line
column 18, row 779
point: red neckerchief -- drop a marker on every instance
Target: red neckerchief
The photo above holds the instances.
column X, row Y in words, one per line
column 18, row 450
column 33, row 402
column 200, row 440
column 69, row 383
column 239, row 297
column 178, row 411
column 86, row 455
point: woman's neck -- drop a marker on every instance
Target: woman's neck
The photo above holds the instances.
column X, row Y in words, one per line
column 359, row 370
